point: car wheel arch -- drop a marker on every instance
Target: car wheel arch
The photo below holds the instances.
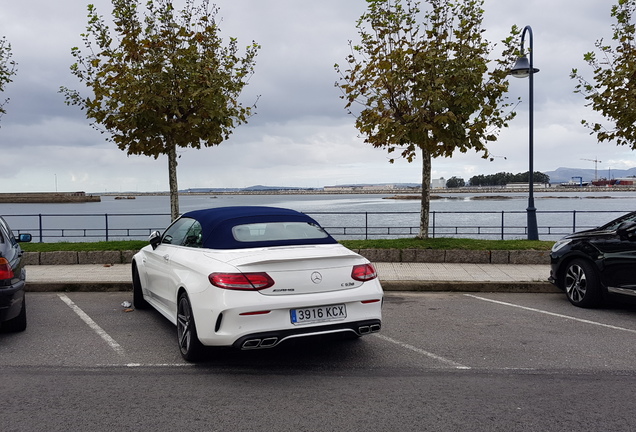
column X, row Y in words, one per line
column 187, row 337
column 137, row 288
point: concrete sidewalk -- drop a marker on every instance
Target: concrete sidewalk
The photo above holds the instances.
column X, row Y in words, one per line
column 394, row 277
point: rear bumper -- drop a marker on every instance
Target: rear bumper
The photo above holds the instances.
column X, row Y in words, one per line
column 234, row 323
column 11, row 298
column 273, row 338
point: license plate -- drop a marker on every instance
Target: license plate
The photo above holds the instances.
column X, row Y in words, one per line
column 318, row 314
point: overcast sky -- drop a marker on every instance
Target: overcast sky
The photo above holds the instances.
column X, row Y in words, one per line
column 301, row 135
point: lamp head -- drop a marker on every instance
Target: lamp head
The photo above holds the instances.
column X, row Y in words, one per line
column 521, row 69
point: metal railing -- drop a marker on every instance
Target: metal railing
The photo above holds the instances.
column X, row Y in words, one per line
column 342, row 225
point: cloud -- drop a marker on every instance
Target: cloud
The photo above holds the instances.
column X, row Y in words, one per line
column 301, row 134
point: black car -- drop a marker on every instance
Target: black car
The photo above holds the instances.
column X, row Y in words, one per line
column 12, row 276
column 591, row 264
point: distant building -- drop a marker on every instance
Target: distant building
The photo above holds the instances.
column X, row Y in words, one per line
column 523, row 185
column 439, row 183
column 358, row 188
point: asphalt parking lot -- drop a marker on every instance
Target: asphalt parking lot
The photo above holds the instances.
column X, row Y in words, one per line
column 443, row 361
column 442, row 330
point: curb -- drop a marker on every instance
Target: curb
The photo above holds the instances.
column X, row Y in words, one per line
column 104, row 286
column 461, row 286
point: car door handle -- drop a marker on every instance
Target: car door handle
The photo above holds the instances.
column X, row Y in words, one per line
column 166, row 257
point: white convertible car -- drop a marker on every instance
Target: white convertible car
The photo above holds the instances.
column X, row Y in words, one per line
column 253, row 277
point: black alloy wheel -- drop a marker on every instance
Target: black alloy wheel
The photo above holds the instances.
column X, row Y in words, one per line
column 582, row 285
column 189, row 344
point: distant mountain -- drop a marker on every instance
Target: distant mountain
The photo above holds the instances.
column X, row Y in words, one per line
column 397, row 185
column 255, row 188
column 266, row 188
column 562, row 175
column 259, row 188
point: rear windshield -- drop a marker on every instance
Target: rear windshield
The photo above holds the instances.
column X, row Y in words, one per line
column 274, row 231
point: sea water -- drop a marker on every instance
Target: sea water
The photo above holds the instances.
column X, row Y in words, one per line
column 558, row 213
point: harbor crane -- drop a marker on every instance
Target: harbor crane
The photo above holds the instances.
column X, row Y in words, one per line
column 596, row 162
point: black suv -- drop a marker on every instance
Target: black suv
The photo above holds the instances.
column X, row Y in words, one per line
column 12, row 276
column 590, row 264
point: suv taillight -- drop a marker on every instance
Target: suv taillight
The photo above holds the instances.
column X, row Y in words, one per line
column 241, row 281
column 6, row 272
column 364, row 272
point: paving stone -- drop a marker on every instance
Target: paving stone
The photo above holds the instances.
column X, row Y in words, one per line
column 499, row 257
column 126, row 256
column 58, row 258
column 431, row 255
column 99, row 257
column 31, row 258
column 381, row 255
column 468, row 256
column 529, row 257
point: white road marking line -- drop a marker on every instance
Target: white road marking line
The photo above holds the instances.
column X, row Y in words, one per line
column 553, row 314
column 421, row 351
column 148, row 365
column 93, row 325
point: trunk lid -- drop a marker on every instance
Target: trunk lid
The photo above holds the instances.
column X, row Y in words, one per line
column 301, row 269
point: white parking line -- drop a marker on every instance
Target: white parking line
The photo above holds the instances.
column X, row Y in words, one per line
column 552, row 314
column 421, row 351
column 93, row 325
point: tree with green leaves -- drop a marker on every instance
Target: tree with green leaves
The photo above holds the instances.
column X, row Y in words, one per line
column 427, row 90
column 7, row 70
column 504, row 178
column 164, row 81
column 612, row 91
column 455, row 182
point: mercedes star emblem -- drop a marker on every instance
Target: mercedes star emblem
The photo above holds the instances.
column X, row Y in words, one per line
column 316, row 277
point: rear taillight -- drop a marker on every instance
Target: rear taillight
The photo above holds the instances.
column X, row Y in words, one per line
column 364, row 272
column 6, row 272
column 241, row 281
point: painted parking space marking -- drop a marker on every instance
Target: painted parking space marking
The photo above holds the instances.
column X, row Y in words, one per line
column 581, row 320
column 421, row 351
column 93, row 325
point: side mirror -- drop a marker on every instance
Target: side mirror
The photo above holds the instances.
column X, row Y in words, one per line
column 24, row 238
column 627, row 230
column 155, row 239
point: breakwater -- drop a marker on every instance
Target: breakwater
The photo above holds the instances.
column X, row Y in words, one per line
column 385, row 191
column 48, row 197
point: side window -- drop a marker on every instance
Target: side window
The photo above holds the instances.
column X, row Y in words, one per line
column 194, row 236
column 176, row 233
column 5, row 233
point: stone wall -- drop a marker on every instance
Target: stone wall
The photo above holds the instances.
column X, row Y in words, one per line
column 373, row 255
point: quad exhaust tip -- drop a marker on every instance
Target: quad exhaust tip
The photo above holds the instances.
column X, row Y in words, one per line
column 270, row 342
column 373, row 328
column 259, row 343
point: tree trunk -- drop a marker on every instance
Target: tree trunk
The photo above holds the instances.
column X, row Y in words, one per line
column 172, row 176
column 426, row 194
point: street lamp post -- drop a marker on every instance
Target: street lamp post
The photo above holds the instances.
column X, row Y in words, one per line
column 524, row 68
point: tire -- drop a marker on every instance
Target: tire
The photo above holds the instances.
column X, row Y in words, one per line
column 17, row 324
column 582, row 284
column 187, row 338
column 138, row 297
